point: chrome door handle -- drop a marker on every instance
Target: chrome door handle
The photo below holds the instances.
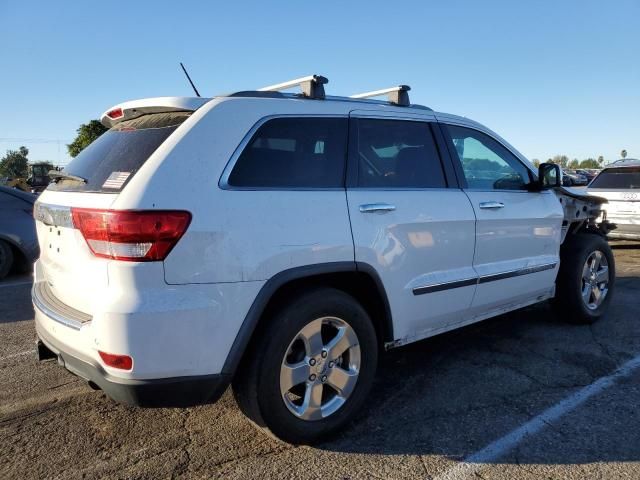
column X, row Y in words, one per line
column 491, row 205
column 377, row 207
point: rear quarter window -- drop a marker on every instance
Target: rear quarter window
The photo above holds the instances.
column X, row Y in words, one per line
column 294, row 152
column 114, row 158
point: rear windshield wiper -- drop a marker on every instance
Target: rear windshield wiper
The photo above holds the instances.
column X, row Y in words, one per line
column 57, row 175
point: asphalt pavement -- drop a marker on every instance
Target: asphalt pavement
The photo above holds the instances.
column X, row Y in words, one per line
column 524, row 395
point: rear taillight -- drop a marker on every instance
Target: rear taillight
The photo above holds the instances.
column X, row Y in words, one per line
column 123, row 362
column 131, row 235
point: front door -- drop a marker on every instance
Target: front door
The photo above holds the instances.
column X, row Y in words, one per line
column 518, row 232
column 410, row 221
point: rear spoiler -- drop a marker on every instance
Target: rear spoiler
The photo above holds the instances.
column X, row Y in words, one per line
column 137, row 108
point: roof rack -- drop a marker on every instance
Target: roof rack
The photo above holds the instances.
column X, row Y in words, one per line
column 312, row 86
column 397, row 95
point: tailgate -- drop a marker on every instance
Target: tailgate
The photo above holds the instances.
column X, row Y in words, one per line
column 74, row 275
column 92, row 180
column 622, row 206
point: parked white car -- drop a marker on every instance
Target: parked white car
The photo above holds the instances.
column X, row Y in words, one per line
column 280, row 241
column 620, row 185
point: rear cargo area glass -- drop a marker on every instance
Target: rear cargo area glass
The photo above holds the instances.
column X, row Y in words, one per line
column 114, row 158
column 624, row 178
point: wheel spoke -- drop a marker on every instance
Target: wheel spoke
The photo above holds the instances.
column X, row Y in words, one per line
column 602, row 275
column 597, row 293
column 344, row 340
column 586, row 294
column 342, row 381
column 292, row 375
column 311, row 405
column 596, row 260
column 586, row 271
column 312, row 338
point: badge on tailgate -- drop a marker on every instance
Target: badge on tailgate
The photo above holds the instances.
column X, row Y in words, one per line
column 53, row 215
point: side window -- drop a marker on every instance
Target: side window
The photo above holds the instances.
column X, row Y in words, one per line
column 397, row 154
column 294, row 153
column 487, row 165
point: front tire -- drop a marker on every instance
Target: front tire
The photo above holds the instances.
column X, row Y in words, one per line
column 311, row 369
column 586, row 278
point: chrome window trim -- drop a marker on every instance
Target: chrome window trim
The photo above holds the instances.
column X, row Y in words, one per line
column 405, row 189
column 223, row 183
column 409, row 116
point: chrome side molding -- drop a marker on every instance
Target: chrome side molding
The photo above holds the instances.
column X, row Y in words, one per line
column 438, row 287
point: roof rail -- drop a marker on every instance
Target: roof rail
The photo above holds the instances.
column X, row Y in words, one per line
column 312, row 86
column 397, row 95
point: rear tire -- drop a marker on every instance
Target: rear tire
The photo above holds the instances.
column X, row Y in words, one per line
column 311, row 367
column 586, row 278
column 6, row 258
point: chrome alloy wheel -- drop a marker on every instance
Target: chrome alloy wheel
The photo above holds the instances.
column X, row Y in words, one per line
column 320, row 368
column 595, row 280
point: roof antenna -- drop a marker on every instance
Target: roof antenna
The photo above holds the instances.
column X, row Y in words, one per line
column 189, row 78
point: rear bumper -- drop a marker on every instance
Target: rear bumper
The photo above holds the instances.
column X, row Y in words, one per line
column 165, row 392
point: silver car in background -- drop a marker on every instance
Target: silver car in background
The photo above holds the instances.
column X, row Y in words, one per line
column 620, row 185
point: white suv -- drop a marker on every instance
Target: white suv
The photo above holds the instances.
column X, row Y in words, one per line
column 619, row 183
column 280, row 241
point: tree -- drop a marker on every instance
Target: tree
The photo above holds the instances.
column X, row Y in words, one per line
column 623, row 154
column 561, row 160
column 536, row 162
column 589, row 163
column 600, row 160
column 87, row 133
column 14, row 163
column 573, row 164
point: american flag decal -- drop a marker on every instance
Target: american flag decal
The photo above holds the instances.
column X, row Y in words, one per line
column 116, row 180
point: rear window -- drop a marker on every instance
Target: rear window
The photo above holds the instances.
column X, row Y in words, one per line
column 618, row 178
column 114, row 158
column 294, row 153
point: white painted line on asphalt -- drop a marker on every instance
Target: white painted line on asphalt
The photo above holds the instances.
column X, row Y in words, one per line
column 20, row 354
column 476, row 461
column 17, row 283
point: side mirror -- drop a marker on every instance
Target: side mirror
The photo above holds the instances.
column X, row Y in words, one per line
column 549, row 176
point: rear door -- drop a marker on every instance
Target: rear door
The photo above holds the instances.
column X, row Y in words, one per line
column 518, row 232
column 410, row 222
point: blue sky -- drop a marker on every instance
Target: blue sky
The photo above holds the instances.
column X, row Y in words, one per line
column 552, row 77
